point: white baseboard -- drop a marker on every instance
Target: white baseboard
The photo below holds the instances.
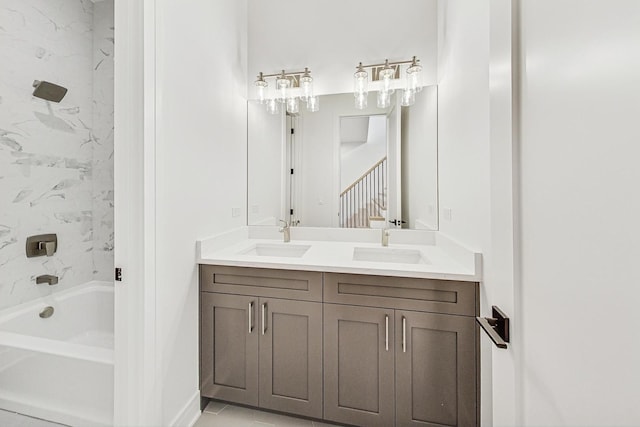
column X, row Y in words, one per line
column 189, row 414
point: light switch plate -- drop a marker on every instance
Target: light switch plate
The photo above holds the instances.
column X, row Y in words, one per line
column 235, row 212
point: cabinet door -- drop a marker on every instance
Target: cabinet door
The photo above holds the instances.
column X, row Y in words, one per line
column 291, row 356
column 229, row 348
column 359, row 365
column 435, row 370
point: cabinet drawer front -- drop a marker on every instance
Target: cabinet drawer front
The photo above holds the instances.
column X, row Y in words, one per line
column 437, row 296
column 263, row 282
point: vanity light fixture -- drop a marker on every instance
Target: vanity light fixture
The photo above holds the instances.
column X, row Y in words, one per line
column 385, row 73
column 290, row 88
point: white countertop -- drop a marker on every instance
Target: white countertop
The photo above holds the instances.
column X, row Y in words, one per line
column 331, row 250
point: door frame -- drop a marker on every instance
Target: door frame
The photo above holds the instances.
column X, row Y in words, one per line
column 501, row 389
column 137, row 388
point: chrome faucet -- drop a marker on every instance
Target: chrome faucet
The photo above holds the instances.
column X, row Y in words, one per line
column 385, row 237
column 286, row 230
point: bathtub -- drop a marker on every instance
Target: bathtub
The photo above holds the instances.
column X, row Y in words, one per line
column 60, row 368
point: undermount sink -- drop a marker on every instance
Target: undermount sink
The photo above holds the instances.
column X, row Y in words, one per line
column 277, row 250
column 398, row 256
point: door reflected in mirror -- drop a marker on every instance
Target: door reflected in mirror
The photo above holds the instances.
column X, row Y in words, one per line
column 344, row 167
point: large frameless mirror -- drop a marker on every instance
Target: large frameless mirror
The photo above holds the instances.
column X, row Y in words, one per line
column 345, row 167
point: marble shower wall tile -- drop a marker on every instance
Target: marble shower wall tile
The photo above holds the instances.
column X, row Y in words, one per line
column 56, row 169
column 102, row 162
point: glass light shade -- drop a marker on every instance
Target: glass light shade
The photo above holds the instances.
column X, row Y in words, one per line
column 292, row 105
column 360, row 83
column 384, row 99
column 272, row 106
column 408, row 98
column 306, row 86
column 361, row 101
column 261, row 91
column 313, row 104
column 386, row 75
column 414, row 78
column 282, row 84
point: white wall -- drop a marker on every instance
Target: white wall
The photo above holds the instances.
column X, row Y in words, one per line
column 464, row 146
column 580, row 212
column 420, row 161
column 332, row 36
column 201, row 115
column 463, row 119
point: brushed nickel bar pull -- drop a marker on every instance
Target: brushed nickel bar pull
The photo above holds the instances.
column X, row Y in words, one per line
column 497, row 327
column 404, row 334
column 251, row 317
column 386, row 332
column 264, row 318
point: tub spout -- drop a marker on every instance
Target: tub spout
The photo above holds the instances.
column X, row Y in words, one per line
column 47, row 278
column 46, row 312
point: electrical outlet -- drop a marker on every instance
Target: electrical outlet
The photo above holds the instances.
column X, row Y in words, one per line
column 447, row 214
column 255, row 209
column 235, row 212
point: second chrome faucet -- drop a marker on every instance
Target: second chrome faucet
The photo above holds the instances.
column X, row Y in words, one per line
column 286, row 230
column 385, row 237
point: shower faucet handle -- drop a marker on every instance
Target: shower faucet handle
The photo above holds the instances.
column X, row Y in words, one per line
column 41, row 245
column 49, row 247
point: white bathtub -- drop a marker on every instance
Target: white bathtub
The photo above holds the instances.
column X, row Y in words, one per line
column 60, row 368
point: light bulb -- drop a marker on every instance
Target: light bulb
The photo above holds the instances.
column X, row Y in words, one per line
column 282, row 84
column 272, row 106
column 361, row 101
column 261, row 89
column 360, row 82
column 313, row 104
column 292, row 105
column 414, row 76
column 384, row 99
column 386, row 75
column 408, row 98
column 306, row 84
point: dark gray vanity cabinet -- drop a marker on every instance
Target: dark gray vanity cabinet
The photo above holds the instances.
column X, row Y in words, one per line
column 407, row 352
column 355, row 349
column 259, row 350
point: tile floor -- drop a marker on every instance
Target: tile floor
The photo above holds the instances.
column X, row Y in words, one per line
column 11, row 419
column 218, row 414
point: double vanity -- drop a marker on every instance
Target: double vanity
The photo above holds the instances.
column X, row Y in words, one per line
column 334, row 326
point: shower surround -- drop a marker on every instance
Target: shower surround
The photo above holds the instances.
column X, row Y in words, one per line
column 56, row 160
